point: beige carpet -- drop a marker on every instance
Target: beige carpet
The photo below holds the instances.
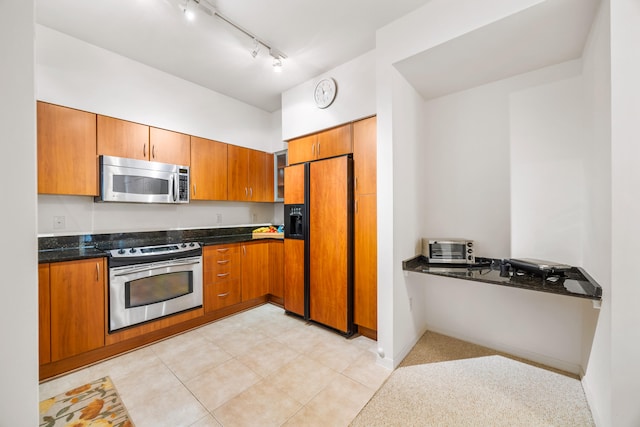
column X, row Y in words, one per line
column 483, row 391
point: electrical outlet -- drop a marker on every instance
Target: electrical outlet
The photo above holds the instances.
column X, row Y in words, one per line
column 219, row 218
column 59, row 223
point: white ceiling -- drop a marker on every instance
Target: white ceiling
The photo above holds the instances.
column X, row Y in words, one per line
column 316, row 36
column 545, row 34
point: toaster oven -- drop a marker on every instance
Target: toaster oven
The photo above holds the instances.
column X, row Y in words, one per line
column 448, row 251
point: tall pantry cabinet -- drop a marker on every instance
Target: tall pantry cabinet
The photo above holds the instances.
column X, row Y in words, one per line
column 365, row 228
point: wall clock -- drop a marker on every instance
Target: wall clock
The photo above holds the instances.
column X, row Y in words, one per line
column 325, row 93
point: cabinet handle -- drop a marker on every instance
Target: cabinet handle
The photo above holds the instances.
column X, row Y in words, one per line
column 97, row 271
column 223, row 261
column 313, row 149
column 251, row 192
column 223, row 274
column 223, row 295
column 244, row 249
column 246, row 192
column 153, row 151
column 318, row 150
column 194, row 190
column 144, row 150
column 223, row 250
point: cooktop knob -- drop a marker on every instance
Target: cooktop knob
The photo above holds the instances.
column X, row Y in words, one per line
column 184, row 245
column 132, row 250
column 121, row 251
column 191, row 244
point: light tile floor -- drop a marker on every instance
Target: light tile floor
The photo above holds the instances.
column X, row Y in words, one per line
column 256, row 368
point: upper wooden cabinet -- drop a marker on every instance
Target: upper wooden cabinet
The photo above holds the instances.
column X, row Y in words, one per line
column 122, row 138
column 208, row 169
column 67, row 161
column 169, row 147
column 322, row 145
column 364, row 156
column 250, row 175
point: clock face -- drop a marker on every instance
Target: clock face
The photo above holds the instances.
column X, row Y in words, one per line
column 325, row 92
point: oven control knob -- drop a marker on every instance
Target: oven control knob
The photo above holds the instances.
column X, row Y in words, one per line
column 121, row 251
column 132, row 250
column 184, row 245
column 192, row 244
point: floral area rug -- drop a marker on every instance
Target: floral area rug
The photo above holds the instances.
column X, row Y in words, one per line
column 96, row 404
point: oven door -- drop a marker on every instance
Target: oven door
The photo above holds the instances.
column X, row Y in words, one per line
column 142, row 292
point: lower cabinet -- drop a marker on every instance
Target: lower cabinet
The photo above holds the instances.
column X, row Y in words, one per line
column 222, row 274
column 72, row 308
column 276, row 271
column 255, row 270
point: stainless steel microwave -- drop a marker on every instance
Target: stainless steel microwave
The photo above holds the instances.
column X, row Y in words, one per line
column 448, row 251
column 141, row 181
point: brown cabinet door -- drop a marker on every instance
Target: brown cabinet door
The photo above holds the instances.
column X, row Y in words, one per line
column 365, row 267
column 222, row 275
column 294, row 276
column 208, row 171
column 237, row 173
column 334, row 142
column 77, row 307
column 276, row 269
column 364, row 156
column 121, row 138
column 302, row 150
column 67, row 162
column 329, row 208
column 255, row 270
column 44, row 314
column 260, row 176
column 169, row 147
column 294, row 184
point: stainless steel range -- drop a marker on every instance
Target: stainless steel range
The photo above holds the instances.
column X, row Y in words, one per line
column 151, row 282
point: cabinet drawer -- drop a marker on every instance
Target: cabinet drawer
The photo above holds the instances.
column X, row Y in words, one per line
column 222, row 270
column 221, row 294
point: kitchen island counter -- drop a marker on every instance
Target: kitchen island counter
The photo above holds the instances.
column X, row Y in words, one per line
column 575, row 282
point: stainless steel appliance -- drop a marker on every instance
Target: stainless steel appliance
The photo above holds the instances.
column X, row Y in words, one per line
column 151, row 282
column 318, row 242
column 141, row 181
column 449, row 251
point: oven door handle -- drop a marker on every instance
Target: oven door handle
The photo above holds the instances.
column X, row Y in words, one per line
column 155, row 266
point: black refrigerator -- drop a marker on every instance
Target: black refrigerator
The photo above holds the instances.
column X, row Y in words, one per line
column 318, row 242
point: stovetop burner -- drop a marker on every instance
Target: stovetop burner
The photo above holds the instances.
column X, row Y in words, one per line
column 149, row 254
column 172, row 248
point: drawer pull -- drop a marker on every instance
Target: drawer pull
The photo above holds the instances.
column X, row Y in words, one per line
column 223, row 250
column 223, row 261
column 223, row 274
column 223, row 295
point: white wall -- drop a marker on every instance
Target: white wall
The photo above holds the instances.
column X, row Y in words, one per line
column 625, row 134
column 548, row 179
column 76, row 74
column 355, row 99
column 597, row 381
column 19, row 302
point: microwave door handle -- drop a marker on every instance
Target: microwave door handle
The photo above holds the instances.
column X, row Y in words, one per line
column 155, row 266
column 173, row 185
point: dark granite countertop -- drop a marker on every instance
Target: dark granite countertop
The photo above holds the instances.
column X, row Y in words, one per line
column 575, row 283
column 70, row 248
